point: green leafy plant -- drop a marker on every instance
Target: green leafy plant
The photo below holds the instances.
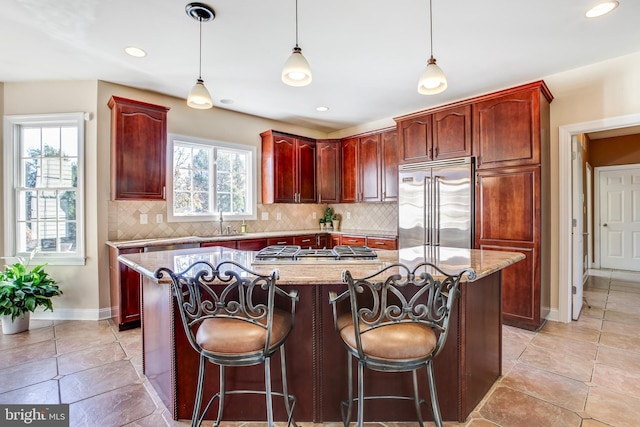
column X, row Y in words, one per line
column 328, row 215
column 23, row 290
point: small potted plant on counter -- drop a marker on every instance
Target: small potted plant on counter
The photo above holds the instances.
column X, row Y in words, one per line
column 335, row 220
column 326, row 221
column 21, row 292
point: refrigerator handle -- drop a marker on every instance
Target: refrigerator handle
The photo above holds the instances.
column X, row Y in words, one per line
column 427, row 216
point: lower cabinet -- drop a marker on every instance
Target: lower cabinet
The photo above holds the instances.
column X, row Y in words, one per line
column 353, row 240
column 125, row 290
column 288, row 240
column 231, row 244
column 382, row 243
column 306, row 241
column 251, row 244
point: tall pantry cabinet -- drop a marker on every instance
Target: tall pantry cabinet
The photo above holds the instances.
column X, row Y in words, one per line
column 511, row 143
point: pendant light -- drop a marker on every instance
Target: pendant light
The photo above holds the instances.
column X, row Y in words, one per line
column 296, row 71
column 432, row 79
column 199, row 95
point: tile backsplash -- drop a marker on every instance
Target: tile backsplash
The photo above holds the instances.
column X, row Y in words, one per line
column 124, row 219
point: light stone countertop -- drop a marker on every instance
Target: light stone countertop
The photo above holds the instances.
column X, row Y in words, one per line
column 161, row 241
column 307, row 271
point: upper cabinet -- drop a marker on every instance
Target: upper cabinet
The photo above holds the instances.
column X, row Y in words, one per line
column 328, row 170
column 288, row 168
column 370, row 167
column 138, row 149
column 507, row 129
column 440, row 134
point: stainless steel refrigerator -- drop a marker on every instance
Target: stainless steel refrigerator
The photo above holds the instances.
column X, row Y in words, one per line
column 436, row 203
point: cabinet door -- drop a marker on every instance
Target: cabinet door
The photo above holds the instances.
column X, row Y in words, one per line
column 231, row 244
column 369, row 168
column 128, row 293
column 349, row 175
column 328, row 177
column 506, row 130
column 335, row 240
column 306, row 171
column 389, row 168
column 415, row 139
column 284, row 169
column 138, row 150
column 452, row 133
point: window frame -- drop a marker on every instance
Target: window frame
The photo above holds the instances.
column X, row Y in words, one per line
column 213, row 144
column 12, row 181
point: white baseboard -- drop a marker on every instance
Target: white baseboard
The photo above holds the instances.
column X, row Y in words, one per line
column 553, row 315
column 72, row 314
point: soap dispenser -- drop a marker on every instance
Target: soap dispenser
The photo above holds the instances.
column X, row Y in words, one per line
column 243, row 227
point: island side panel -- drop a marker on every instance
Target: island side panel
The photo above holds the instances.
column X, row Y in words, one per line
column 158, row 339
column 482, row 340
column 252, row 407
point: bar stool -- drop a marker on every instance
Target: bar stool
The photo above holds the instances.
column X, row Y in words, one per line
column 398, row 322
column 229, row 318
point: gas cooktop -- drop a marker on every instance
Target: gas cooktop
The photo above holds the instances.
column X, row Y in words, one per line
column 296, row 253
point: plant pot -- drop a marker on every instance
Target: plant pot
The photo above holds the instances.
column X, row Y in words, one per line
column 19, row 324
column 336, row 224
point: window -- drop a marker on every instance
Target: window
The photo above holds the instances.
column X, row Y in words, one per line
column 208, row 177
column 43, row 186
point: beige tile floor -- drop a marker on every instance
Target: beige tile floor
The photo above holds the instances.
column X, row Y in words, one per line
column 582, row 374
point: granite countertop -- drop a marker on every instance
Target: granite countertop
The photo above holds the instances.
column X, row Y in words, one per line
column 160, row 241
column 451, row 260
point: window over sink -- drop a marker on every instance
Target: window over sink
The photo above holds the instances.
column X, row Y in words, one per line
column 207, row 177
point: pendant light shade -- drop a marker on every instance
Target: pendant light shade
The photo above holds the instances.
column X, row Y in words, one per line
column 296, row 71
column 432, row 80
column 199, row 96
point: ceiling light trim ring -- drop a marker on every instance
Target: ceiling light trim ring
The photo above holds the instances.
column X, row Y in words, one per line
column 200, row 12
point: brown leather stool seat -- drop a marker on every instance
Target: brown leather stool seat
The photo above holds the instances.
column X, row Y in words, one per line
column 230, row 319
column 397, row 321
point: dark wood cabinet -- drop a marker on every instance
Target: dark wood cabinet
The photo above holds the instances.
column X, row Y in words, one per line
column 382, row 243
column 440, row 134
column 306, row 241
column 389, row 167
column 507, row 127
column 452, row 132
column 353, row 240
column 124, row 289
column 349, row 175
column 138, row 149
column 328, row 171
column 272, row 241
column 334, row 240
column 288, row 168
column 415, row 139
column 370, row 167
column 251, row 244
column 511, row 139
column 231, row 244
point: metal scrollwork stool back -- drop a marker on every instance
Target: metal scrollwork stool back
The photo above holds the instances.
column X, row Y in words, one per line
column 398, row 322
column 230, row 319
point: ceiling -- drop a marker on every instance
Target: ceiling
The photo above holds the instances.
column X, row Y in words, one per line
column 366, row 55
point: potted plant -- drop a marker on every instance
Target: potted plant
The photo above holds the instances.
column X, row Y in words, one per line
column 327, row 218
column 22, row 290
column 335, row 220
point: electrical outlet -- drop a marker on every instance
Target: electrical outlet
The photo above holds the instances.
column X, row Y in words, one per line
column 348, row 215
column 143, row 218
column 278, row 216
column 313, row 215
column 159, row 219
column 265, row 216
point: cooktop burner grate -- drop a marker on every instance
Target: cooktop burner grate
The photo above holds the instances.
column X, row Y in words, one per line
column 293, row 253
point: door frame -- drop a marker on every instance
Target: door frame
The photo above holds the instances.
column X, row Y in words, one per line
column 565, row 193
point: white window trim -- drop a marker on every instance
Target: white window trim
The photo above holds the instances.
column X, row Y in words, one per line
column 11, row 139
column 251, row 180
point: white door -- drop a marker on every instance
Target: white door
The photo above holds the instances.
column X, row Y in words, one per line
column 620, row 217
column 577, row 229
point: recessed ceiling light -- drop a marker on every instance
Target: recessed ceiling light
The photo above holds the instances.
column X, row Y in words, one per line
column 322, row 109
column 135, row 51
column 601, row 9
column 226, row 101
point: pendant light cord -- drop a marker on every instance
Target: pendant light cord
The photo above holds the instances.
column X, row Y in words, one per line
column 296, row 23
column 200, row 53
column 430, row 27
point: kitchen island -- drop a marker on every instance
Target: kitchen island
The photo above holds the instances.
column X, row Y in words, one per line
column 465, row 370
